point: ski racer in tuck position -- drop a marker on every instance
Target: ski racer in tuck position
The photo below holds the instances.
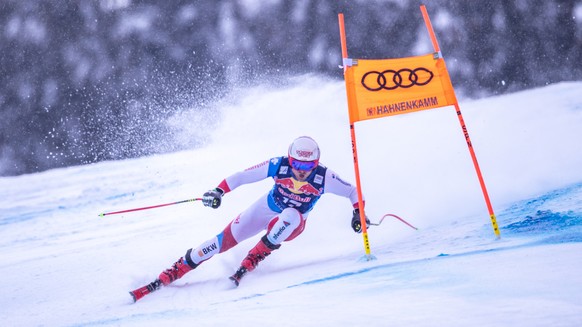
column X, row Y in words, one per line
column 300, row 180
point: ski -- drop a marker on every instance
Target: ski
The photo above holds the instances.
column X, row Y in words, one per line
column 238, row 275
column 234, row 280
column 139, row 293
column 145, row 290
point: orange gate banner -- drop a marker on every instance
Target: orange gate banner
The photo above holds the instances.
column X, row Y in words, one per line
column 387, row 87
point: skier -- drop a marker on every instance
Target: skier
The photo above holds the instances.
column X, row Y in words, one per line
column 300, row 180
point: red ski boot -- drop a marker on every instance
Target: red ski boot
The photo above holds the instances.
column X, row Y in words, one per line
column 178, row 269
column 251, row 261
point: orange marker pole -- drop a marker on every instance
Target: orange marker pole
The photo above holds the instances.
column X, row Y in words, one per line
column 368, row 256
column 437, row 49
column 342, row 29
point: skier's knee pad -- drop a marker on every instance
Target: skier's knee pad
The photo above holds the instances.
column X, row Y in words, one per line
column 286, row 226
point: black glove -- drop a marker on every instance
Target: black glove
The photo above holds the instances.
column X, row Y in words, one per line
column 356, row 222
column 212, row 198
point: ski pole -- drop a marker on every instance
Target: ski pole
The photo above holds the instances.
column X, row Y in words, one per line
column 150, row 207
column 395, row 216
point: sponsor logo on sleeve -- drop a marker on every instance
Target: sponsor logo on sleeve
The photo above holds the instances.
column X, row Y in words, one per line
column 334, row 176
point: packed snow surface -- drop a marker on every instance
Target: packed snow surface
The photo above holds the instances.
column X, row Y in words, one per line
column 64, row 265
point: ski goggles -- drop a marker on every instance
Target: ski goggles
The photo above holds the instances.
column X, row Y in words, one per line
column 302, row 165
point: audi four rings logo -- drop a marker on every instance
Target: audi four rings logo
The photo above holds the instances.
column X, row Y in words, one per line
column 393, row 79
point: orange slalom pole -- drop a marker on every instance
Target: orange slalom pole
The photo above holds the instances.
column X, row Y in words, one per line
column 428, row 24
column 478, row 170
column 369, row 255
column 342, row 29
column 465, row 131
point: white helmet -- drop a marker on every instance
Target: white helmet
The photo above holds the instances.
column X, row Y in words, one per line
column 304, row 153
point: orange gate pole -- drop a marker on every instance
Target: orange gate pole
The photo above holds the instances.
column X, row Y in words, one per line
column 464, row 128
column 368, row 255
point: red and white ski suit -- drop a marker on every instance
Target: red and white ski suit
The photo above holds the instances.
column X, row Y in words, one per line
column 282, row 212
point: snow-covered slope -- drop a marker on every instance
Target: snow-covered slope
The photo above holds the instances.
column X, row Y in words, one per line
column 63, row 265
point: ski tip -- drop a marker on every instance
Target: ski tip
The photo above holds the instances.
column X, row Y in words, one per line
column 234, row 281
column 145, row 290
